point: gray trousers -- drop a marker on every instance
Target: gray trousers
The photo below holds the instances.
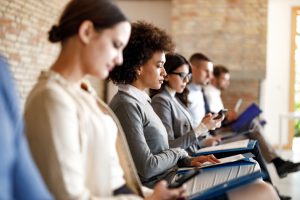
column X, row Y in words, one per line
column 266, row 149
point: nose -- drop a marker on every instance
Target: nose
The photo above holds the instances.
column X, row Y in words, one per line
column 186, row 79
column 119, row 58
column 163, row 72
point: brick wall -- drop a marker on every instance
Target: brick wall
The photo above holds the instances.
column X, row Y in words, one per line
column 248, row 90
column 230, row 32
column 23, row 38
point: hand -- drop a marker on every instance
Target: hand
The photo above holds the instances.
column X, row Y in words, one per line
column 198, row 161
column 231, row 116
column 210, row 122
column 212, row 141
column 161, row 191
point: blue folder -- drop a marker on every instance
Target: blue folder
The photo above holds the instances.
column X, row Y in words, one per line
column 245, row 118
column 225, row 187
column 249, row 147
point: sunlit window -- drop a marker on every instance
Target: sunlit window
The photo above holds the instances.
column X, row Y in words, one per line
column 297, row 72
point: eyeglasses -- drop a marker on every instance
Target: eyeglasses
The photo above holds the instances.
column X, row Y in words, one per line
column 183, row 75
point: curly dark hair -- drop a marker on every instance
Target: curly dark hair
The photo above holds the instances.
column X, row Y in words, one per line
column 145, row 40
column 174, row 61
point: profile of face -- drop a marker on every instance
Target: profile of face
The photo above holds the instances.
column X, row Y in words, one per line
column 223, row 81
column 202, row 72
column 179, row 78
column 103, row 49
column 151, row 74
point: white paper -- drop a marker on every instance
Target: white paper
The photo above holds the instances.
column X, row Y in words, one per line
column 228, row 159
column 238, row 105
column 231, row 145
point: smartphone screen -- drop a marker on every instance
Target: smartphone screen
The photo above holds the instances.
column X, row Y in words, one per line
column 182, row 178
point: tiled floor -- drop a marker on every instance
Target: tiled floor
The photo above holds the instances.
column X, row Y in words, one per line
column 291, row 184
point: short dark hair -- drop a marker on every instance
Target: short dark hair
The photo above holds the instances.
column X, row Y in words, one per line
column 145, row 40
column 219, row 70
column 102, row 13
column 198, row 57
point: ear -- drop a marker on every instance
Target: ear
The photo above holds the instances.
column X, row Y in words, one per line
column 86, row 31
column 139, row 70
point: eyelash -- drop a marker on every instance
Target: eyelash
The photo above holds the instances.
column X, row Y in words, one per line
column 117, row 45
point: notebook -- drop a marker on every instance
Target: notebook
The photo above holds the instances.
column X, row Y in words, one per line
column 244, row 120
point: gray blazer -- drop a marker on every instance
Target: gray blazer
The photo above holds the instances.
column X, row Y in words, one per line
column 176, row 121
column 147, row 139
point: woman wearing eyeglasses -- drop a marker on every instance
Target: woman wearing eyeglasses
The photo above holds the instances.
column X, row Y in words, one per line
column 170, row 104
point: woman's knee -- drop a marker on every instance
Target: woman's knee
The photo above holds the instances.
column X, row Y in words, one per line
column 258, row 190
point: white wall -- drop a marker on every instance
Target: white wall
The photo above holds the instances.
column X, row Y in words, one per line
column 275, row 88
column 156, row 12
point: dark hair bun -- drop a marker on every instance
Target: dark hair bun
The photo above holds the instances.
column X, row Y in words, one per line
column 54, row 34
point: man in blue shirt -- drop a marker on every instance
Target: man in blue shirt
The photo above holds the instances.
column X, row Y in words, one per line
column 19, row 178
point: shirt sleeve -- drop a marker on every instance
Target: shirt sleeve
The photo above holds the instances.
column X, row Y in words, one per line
column 163, row 109
column 201, row 130
column 147, row 163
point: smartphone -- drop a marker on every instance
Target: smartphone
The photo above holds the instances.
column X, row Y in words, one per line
column 221, row 113
column 182, row 178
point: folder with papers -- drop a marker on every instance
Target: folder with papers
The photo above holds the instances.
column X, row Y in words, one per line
column 223, row 188
column 228, row 147
column 223, row 162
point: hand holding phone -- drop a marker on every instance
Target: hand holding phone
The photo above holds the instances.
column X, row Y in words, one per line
column 182, row 178
column 221, row 113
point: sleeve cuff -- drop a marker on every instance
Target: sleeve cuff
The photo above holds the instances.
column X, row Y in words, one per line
column 201, row 130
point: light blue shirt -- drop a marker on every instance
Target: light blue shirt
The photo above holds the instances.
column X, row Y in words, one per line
column 19, row 177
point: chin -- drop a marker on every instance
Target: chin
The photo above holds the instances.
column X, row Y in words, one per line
column 101, row 75
column 156, row 87
column 179, row 91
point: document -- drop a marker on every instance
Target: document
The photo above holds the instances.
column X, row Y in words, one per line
column 229, row 159
column 238, row 105
column 232, row 145
column 208, row 187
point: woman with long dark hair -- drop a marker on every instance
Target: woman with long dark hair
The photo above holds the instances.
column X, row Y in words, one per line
column 170, row 103
column 74, row 137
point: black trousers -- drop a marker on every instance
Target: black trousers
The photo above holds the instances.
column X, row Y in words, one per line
column 123, row 190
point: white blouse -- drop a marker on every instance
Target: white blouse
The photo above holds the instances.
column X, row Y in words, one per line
column 72, row 141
